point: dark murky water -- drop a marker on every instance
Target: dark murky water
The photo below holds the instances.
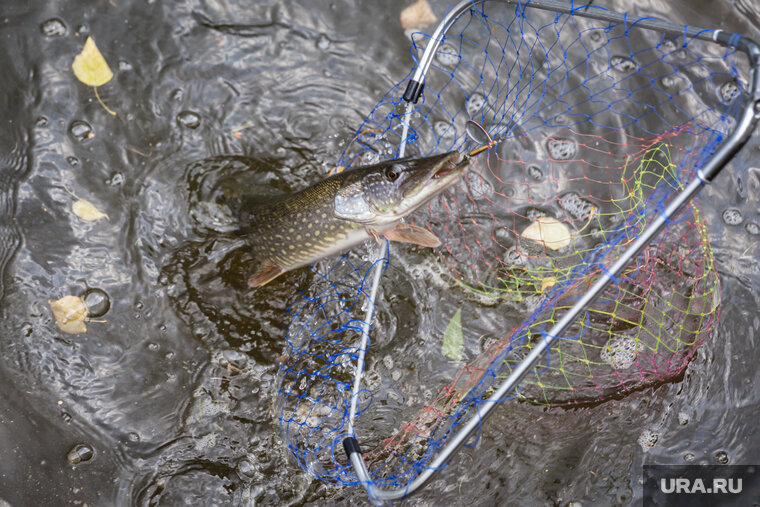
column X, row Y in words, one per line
column 172, row 394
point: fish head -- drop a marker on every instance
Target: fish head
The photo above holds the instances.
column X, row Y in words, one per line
column 385, row 193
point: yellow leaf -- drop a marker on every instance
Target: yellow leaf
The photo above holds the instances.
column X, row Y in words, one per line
column 90, row 67
column 69, row 313
column 549, row 231
column 417, row 15
column 336, row 170
column 548, row 282
column 87, row 211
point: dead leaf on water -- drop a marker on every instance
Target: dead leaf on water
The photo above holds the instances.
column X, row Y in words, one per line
column 548, row 282
column 87, row 211
column 91, row 68
column 453, row 339
column 549, row 231
column 70, row 313
column 417, row 15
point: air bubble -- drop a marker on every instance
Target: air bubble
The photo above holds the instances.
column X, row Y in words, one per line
column 97, row 302
column 729, row 91
column 116, row 179
column 53, row 27
column 534, row 214
column 623, row 64
column 370, row 157
column 189, row 120
column 575, row 206
column 245, row 469
column 620, row 352
column 80, row 453
column 447, row 55
column 73, row 161
column 124, row 66
column 153, row 346
column 752, row 228
column 689, row 457
column 683, row 418
column 668, row 82
column 647, row 439
column 561, row 149
column 80, row 130
column 475, row 104
column 732, row 216
column 535, row 172
column 323, row 42
column 133, row 437
column 444, row 130
column 41, row 122
column 721, row 457
column 512, row 257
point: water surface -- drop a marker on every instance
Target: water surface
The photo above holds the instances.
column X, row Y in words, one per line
column 174, row 391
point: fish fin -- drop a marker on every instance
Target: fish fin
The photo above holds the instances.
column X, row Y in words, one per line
column 408, row 233
column 372, row 232
column 266, row 274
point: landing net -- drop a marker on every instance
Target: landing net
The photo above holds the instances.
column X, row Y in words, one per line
column 600, row 124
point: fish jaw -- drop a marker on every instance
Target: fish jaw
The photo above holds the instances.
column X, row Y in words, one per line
column 439, row 178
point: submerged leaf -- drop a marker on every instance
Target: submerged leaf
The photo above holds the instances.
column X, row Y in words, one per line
column 453, row 342
column 87, row 211
column 90, row 67
column 549, row 231
column 69, row 313
column 417, row 15
column 548, row 282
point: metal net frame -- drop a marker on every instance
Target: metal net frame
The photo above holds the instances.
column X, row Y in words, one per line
column 578, row 220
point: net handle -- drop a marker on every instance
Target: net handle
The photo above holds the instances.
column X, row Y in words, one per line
column 705, row 174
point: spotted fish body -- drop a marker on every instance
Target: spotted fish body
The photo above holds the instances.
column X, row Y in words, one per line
column 346, row 209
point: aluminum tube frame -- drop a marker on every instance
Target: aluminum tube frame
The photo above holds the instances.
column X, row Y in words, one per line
column 417, row 83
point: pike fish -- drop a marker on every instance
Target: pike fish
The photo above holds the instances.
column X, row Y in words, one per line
column 347, row 209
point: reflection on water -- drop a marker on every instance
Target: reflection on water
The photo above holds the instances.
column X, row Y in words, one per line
column 168, row 398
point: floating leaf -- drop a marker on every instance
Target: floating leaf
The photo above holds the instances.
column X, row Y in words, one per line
column 87, row 211
column 90, row 67
column 69, row 313
column 549, row 231
column 453, row 341
column 417, row 15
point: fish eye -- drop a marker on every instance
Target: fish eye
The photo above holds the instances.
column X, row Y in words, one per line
column 391, row 173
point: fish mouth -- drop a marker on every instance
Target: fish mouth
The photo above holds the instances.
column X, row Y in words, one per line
column 454, row 166
column 442, row 172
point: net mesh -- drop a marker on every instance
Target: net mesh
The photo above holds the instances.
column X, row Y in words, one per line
column 600, row 125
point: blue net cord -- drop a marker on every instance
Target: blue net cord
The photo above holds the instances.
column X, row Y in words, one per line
column 600, row 124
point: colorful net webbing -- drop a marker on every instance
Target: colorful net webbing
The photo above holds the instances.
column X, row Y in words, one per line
column 599, row 125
